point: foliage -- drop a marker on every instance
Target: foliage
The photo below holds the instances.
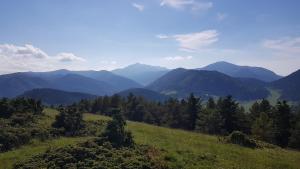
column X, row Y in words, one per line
column 264, row 121
column 115, row 131
column 17, row 120
column 90, row 154
column 70, row 120
column 281, row 116
column 262, row 128
column 237, row 137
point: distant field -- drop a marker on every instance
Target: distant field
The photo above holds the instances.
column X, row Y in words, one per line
column 182, row 149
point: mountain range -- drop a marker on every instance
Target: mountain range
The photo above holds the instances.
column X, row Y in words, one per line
column 243, row 71
column 56, row 97
column 90, row 82
column 158, row 83
column 181, row 82
column 145, row 93
column 289, row 86
column 141, row 73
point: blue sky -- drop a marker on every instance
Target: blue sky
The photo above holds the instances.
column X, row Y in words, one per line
column 41, row 35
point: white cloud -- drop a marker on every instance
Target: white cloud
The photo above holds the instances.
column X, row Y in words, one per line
column 29, row 58
column 221, row 16
column 138, row 6
column 193, row 41
column 178, row 58
column 69, row 57
column 285, row 45
column 192, row 4
column 26, row 51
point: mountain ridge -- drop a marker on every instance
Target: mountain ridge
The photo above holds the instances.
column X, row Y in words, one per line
column 141, row 73
column 181, row 82
column 242, row 71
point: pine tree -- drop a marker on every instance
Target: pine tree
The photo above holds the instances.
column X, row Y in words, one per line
column 210, row 121
column 193, row 109
column 262, row 128
column 229, row 109
column 115, row 131
column 282, row 127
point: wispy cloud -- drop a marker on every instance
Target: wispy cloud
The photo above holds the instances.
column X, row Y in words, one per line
column 285, row 45
column 193, row 41
column 178, row 58
column 191, row 4
column 138, row 6
column 161, row 36
column 24, row 58
column 221, row 16
column 69, row 57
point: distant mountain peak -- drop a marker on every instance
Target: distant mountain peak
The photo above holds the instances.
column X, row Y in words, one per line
column 242, row 71
column 144, row 67
column 142, row 73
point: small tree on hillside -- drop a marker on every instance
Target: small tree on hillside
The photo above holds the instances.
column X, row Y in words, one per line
column 70, row 119
column 115, row 131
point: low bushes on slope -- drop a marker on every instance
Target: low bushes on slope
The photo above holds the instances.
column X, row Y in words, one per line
column 93, row 154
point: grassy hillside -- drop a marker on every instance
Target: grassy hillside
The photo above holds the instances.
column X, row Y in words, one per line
column 182, row 149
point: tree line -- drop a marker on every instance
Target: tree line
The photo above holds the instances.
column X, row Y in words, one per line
column 278, row 124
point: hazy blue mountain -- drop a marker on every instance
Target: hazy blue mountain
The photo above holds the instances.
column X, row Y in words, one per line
column 181, row 82
column 14, row 84
column 92, row 82
column 243, row 71
column 289, row 86
column 79, row 83
column 56, row 97
column 118, row 82
column 145, row 93
column 141, row 73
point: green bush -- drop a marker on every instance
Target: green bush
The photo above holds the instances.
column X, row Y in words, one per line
column 13, row 137
column 70, row 120
column 237, row 137
column 115, row 131
column 93, row 155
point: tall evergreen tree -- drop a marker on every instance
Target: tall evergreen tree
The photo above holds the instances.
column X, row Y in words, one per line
column 193, row 109
column 262, row 128
column 282, row 127
column 229, row 110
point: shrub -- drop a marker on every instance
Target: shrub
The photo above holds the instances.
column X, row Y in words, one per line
column 237, row 137
column 90, row 154
column 69, row 119
column 115, row 131
column 13, row 137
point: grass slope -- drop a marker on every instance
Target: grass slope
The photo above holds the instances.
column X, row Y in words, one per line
column 195, row 151
column 182, row 149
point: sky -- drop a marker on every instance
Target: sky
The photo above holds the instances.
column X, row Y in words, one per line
column 43, row 35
